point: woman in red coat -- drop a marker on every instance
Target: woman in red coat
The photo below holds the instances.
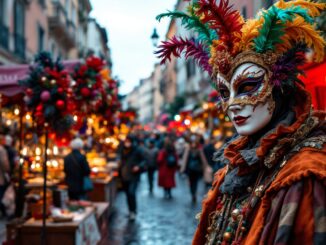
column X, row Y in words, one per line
column 167, row 165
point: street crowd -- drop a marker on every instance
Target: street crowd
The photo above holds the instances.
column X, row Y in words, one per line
column 189, row 154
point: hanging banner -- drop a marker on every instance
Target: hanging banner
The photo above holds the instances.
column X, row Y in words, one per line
column 11, row 74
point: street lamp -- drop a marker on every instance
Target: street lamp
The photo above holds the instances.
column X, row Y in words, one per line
column 155, row 37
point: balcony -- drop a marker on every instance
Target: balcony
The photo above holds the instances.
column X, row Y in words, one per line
column 19, row 45
column 60, row 26
column 4, row 36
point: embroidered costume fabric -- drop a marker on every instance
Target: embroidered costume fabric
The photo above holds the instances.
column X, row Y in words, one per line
column 272, row 190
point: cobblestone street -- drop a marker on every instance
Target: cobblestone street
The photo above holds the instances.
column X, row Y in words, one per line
column 159, row 221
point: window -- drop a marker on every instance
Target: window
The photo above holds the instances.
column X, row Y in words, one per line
column 42, row 3
column 19, row 28
column 191, row 68
column 2, row 12
column 40, row 38
column 244, row 11
column 74, row 14
column 67, row 7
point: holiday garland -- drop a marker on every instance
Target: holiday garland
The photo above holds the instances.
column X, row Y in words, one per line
column 48, row 94
column 88, row 84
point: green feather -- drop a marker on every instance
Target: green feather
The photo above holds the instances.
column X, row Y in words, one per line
column 273, row 28
column 290, row 13
column 191, row 23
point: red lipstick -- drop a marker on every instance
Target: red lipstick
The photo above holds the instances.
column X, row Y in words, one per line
column 239, row 120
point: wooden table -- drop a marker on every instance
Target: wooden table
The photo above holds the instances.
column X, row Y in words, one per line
column 86, row 228
column 104, row 190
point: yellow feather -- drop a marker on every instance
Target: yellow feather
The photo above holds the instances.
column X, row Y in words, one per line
column 249, row 31
column 300, row 31
column 314, row 9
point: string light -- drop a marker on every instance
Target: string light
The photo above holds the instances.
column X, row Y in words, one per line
column 16, row 111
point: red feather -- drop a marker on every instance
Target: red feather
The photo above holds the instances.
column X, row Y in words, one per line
column 176, row 46
column 223, row 18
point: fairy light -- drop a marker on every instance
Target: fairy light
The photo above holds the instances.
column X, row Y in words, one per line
column 24, row 151
column 38, row 151
column 187, row 122
column 9, row 122
column 177, row 118
column 90, row 120
column 28, row 117
column 16, row 111
column 48, row 151
column 75, row 118
column 55, row 150
column 55, row 163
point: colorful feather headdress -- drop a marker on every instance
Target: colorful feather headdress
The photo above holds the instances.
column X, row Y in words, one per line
column 276, row 39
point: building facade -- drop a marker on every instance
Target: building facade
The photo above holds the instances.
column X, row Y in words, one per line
column 146, row 98
column 58, row 26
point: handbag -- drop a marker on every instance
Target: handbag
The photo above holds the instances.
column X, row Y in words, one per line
column 87, row 182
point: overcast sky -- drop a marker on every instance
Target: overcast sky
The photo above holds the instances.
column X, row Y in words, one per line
column 130, row 24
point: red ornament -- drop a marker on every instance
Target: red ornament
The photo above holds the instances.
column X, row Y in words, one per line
column 85, row 92
column 39, row 108
column 60, row 90
column 29, row 92
column 60, row 104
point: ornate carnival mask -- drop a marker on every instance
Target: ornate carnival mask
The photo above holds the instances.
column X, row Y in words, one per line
column 248, row 59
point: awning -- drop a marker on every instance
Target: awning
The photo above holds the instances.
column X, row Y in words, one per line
column 11, row 74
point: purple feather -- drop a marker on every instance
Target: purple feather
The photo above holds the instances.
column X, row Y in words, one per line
column 191, row 48
column 286, row 67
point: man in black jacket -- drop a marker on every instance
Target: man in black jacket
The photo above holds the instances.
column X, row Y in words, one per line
column 76, row 168
column 131, row 164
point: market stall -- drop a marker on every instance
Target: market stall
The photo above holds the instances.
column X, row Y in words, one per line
column 58, row 103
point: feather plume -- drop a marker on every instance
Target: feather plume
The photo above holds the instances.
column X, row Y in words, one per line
column 191, row 22
column 314, row 9
column 222, row 18
column 300, row 31
column 192, row 48
column 285, row 71
column 249, row 31
column 272, row 29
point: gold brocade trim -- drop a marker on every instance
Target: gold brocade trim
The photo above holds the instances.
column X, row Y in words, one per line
column 290, row 141
column 258, row 97
column 265, row 60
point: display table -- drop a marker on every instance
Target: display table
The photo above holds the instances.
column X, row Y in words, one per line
column 86, row 228
column 104, row 190
column 37, row 183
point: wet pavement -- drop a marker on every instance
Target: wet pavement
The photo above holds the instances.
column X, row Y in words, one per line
column 159, row 221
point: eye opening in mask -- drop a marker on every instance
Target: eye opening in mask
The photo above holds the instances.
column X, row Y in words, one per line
column 224, row 92
column 249, row 85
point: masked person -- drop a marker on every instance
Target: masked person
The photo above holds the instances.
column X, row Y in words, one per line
column 272, row 190
column 131, row 164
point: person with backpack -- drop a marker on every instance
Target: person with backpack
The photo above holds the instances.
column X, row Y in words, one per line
column 167, row 161
column 194, row 164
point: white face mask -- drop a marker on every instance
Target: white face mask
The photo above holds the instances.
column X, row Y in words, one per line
column 247, row 99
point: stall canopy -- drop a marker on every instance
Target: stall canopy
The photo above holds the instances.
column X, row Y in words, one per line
column 11, row 74
column 315, row 82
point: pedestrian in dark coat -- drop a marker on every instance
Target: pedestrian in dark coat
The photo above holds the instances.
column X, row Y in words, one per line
column 131, row 165
column 167, row 161
column 76, row 168
column 194, row 164
column 151, row 163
